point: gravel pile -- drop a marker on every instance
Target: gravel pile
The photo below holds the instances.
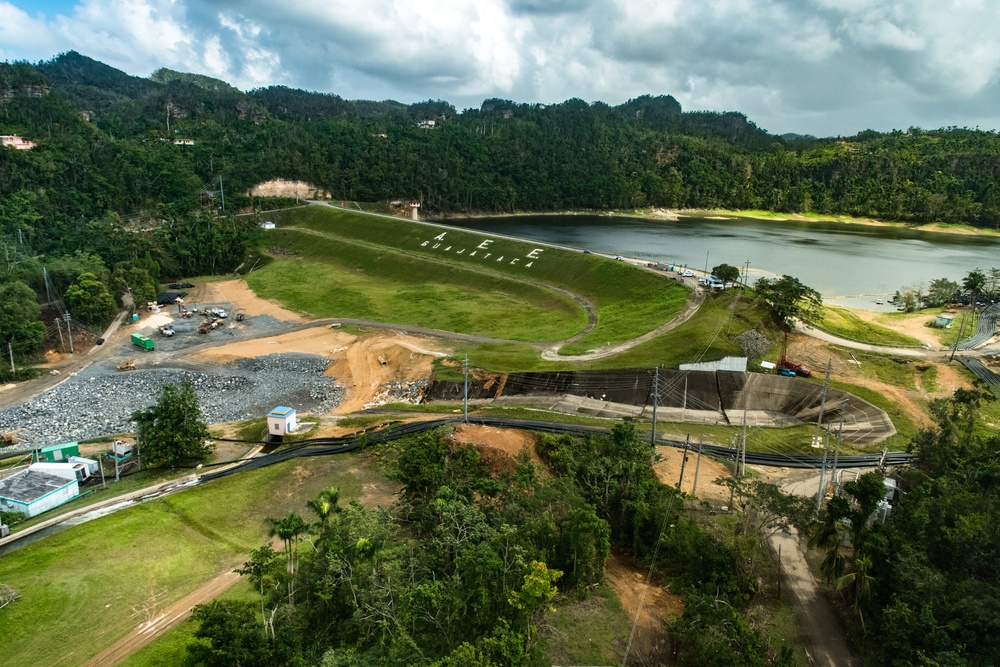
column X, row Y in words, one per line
column 99, row 401
column 399, row 391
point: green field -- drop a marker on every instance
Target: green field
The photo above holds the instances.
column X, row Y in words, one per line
column 630, row 301
column 84, row 588
column 334, row 279
column 709, row 334
column 844, row 323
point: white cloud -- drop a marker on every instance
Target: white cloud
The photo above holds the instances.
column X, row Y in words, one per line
column 820, row 66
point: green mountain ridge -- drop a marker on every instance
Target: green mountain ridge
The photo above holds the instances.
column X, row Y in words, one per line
column 504, row 156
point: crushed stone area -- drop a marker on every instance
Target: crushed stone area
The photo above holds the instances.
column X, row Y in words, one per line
column 100, row 400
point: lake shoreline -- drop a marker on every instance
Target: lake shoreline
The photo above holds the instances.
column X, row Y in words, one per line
column 724, row 214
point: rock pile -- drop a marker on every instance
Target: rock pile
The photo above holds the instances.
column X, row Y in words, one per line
column 100, row 401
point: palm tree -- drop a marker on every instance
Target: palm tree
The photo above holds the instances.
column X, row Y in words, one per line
column 289, row 529
column 974, row 283
column 859, row 585
column 826, row 535
column 325, row 505
column 282, row 528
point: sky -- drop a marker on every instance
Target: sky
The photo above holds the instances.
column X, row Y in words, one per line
column 821, row 67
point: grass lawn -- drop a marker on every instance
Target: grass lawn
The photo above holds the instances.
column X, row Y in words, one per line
column 844, row 323
column 171, row 648
column 335, row 279
column 630, row 301
column 88, row 585
column 707, row 335
column 593, row 631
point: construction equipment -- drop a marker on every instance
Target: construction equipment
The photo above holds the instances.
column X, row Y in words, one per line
column 208, row 325
column 167, row 331
column 789, row 366
column 126, row 365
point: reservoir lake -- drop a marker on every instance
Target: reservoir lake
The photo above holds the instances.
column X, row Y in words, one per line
column 836, row 259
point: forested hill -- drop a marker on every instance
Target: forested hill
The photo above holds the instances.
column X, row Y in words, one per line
column 104, row 145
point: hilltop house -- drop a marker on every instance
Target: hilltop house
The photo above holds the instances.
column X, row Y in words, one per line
column 14, row 141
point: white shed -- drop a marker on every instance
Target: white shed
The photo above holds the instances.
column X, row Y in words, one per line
column 281, row 420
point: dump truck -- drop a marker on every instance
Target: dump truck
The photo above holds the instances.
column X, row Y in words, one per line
column 142, row 341
column 126, row 365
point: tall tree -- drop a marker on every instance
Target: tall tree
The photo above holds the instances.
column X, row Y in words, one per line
column 173, row 430
column 788, row 300
column 89, row 299
column 19, row 311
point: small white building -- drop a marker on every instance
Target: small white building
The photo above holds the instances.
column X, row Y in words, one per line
column 281, row 420
column 34, row 491
column 70, row 469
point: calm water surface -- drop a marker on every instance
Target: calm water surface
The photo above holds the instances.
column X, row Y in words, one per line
column 835, row 259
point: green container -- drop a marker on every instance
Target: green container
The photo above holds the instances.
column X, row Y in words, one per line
column 58, row 453
column 141, row 341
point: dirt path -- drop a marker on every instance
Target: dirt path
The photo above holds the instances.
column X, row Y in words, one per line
column 161, row 622
column 552, row 353
column 650, row 607
column 825, row 641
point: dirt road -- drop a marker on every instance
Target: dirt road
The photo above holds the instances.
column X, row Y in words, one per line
column 164, row 620
column 825, row 641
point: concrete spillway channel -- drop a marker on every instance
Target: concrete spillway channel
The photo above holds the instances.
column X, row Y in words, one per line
column 703, row 397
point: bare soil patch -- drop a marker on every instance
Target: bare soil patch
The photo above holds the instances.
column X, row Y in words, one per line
column 815, row 354
column 668, row 471
column 365, row 366
column 498, row 447
column 650, row 607
column 244, row 300
column 507, row 440
column 914, row 326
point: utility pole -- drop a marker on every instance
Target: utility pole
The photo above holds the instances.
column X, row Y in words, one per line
column 69, row 331
column 100, row 461
column 62, row 342
column 746, row 275
column 465, row 402
column 680, row 482
column 656, row 399
column 222, row 193
column 685, row 395
column 819, row 424
column 697, row 466
column 743, row 461
column 961, row 328
column 822, row 471
column 706, row 262
column 10, row 348
column 836, row 454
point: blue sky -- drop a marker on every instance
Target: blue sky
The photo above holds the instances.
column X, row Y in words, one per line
column 823, row 67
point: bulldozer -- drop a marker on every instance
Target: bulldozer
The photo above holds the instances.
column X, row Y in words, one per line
column 126, row 365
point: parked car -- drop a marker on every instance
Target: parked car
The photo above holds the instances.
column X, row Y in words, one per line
column 687, row 274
